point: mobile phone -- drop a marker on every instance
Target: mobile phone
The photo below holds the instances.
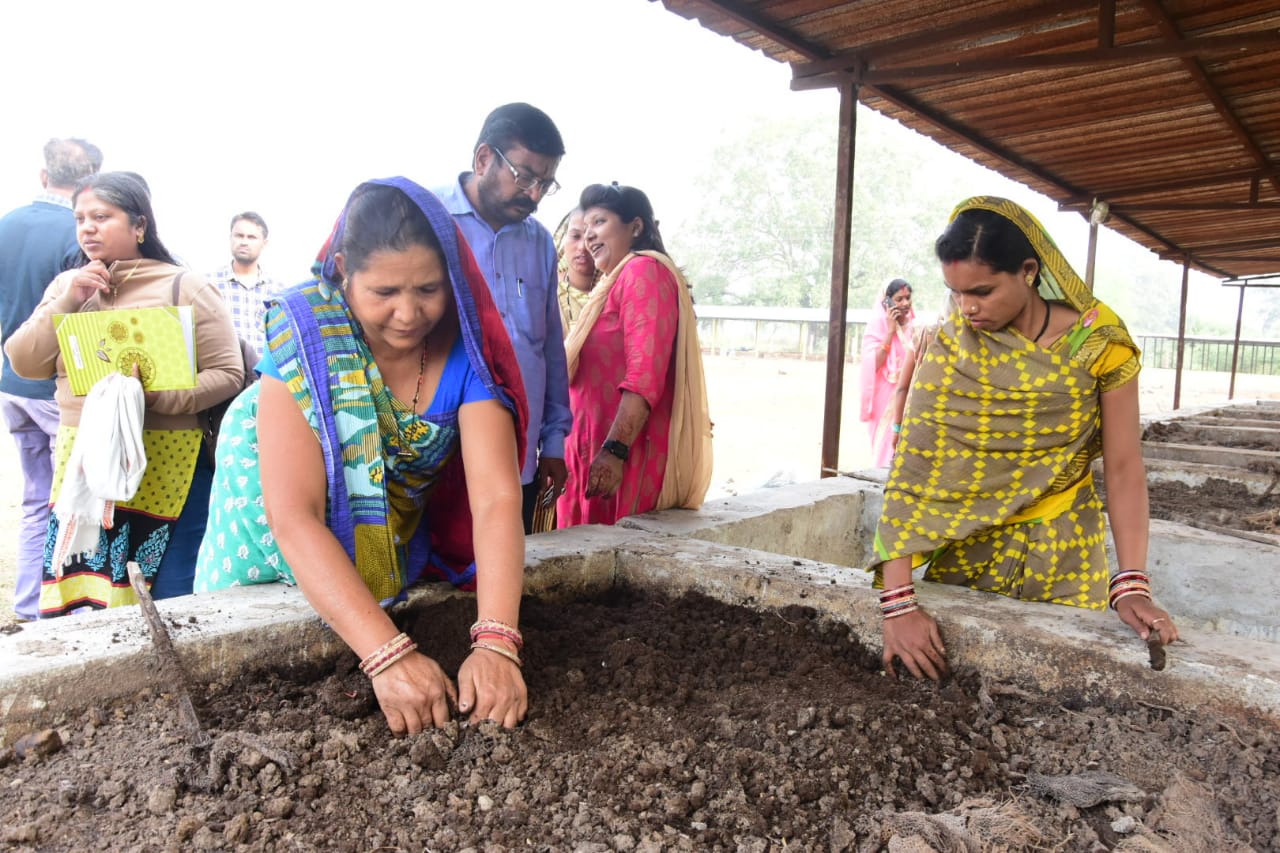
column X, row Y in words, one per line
column 888, row 302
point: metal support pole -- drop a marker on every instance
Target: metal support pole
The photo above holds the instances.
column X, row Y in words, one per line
column 1098, row 213
column 1182, row 333
column 1235, row 345
column 840, row 264
column 1093, row 255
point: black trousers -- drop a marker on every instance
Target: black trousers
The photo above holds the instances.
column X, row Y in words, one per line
column 528, row 505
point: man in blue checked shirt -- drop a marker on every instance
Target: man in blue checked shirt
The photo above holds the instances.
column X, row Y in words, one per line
column 513, row 168
column 244, row 286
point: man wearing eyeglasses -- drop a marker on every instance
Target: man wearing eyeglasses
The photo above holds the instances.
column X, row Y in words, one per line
column 513, row 168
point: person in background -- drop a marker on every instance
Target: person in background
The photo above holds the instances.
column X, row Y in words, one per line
column 887, row 345
column 1027, row 381
column 578, row 273
column 641, row 436
column 513, row 168
column 389, row 415
column 243, row 284
column 124, row 264
column 37, row 241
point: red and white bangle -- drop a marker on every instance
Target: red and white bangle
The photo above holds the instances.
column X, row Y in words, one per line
column 1126, row 583
column 388, row 653
column 495, row 628
column 899, row 601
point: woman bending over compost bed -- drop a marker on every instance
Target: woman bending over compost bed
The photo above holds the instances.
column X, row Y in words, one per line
column 389, row 416
column 1027, row 381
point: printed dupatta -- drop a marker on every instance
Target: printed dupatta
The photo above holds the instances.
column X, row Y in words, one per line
column 313, row 341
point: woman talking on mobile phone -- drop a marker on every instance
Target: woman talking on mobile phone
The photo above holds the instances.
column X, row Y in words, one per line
column 887, row 345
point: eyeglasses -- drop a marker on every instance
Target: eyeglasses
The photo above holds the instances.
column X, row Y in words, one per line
column 526, row 183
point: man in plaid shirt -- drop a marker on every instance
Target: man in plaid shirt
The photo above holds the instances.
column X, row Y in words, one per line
column 244, row 286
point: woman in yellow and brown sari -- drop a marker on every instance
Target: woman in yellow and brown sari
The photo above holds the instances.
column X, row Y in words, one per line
column 1027, row 381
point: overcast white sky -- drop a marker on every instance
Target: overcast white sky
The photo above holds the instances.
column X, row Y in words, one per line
column 283, row 108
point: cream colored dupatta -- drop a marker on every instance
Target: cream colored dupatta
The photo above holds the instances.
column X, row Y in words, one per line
column 688, row 473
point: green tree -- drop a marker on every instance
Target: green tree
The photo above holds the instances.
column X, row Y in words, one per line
column 762, row 232
column 763, row 229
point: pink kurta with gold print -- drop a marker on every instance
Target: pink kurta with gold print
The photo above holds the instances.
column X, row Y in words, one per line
column 630, row 348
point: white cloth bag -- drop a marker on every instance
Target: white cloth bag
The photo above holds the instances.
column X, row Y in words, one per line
column 106, row 465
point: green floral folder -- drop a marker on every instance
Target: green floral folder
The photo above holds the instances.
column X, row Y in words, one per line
column 160, row 341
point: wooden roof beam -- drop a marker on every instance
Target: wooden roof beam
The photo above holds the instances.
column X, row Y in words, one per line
column 1023, row 22
column 1180, row 206
column 991, row 149
column 1252, row 177
column 1205, row 265
column 1236, row 45
column 1212, row 264
column 1231, row 248
column 1253, row 280
column 751, row 19
column 1107, row 23
column 1166, row 25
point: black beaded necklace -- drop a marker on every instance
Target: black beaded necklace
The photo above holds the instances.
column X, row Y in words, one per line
column 422, row 368
column 1047, row 310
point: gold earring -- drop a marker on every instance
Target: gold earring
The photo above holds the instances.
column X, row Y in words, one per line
column 141, row 237
column 1031, row 280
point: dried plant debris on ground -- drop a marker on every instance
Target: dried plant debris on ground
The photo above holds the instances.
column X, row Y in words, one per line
column 655, row 725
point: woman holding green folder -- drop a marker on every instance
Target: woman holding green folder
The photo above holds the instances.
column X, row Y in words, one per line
column 124, row 265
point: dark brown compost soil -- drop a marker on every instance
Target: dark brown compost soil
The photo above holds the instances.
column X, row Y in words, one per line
column 1177, row 432
column 655, row 725
column 1217, row 501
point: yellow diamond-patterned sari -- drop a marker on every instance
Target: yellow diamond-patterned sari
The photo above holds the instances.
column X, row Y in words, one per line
column 991, row 482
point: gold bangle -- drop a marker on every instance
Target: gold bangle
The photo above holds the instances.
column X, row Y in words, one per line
column 388, row 652
column 499, row 650
column 391, row 656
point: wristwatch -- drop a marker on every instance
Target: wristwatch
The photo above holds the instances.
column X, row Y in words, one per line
column 617, row 448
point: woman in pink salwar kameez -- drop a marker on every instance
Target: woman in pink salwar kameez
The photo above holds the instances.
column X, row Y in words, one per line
column 641, row 436
column 887, row 345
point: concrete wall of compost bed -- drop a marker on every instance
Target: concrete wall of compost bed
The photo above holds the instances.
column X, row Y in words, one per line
column 49, row 669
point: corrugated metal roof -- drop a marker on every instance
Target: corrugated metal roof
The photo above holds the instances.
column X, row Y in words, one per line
column 1168, row 110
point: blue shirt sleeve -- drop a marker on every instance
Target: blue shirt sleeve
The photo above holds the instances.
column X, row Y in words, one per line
column 459, row 384
column 557, row 419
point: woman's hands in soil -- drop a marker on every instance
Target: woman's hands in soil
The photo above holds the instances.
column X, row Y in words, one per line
column 605, row 475
column 414, row 694
column 89, row 279
column 1142, row 615
column 914, row 639
column 491, row 687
